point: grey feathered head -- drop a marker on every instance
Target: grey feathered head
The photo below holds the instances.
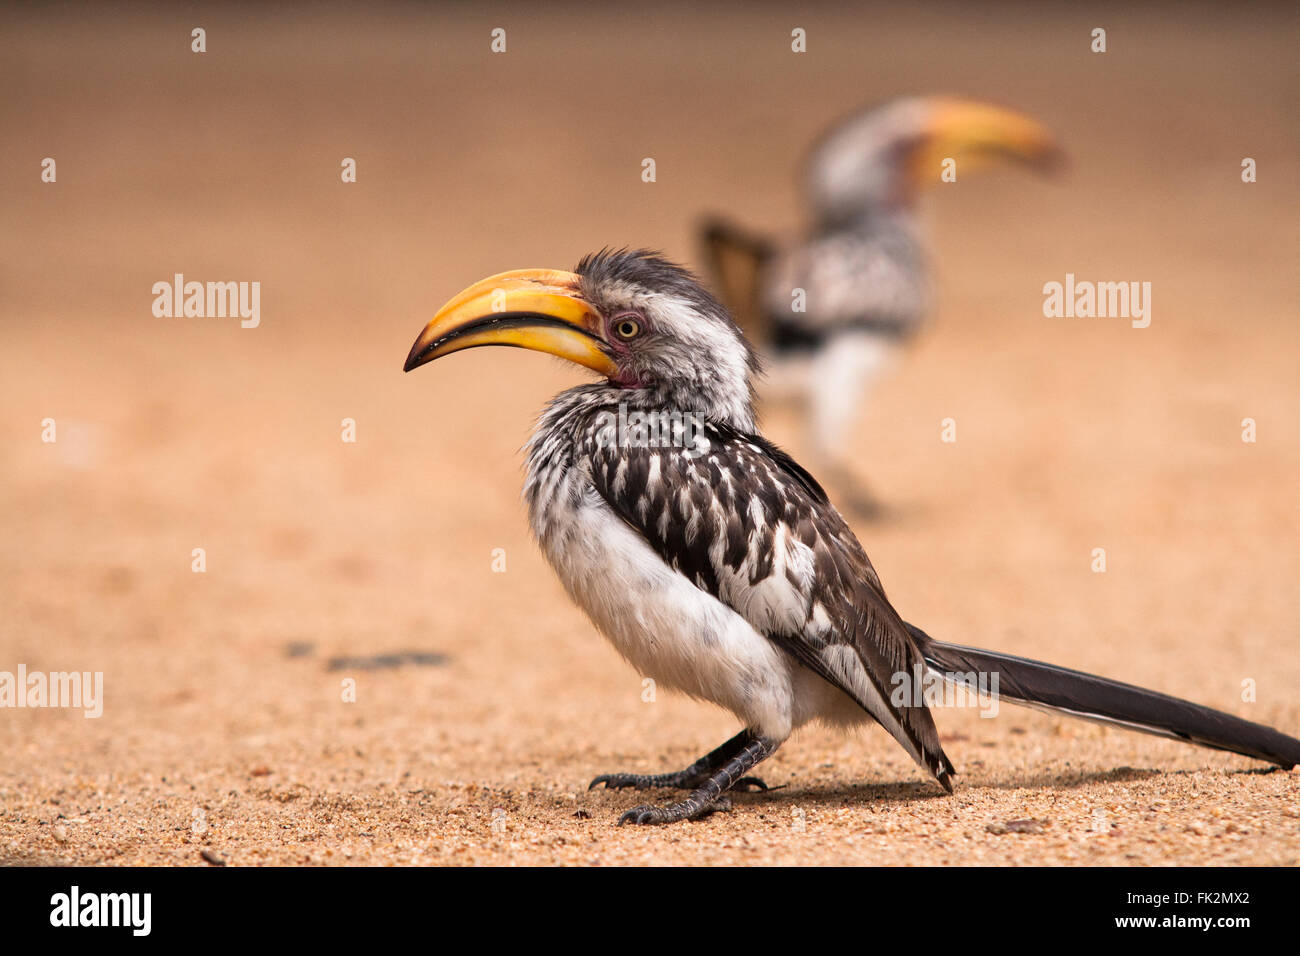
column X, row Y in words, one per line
column 669, row 335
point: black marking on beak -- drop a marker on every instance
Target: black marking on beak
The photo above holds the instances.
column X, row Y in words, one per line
column 497, row 320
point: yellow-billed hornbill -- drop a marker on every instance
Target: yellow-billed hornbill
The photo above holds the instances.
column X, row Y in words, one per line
column 830, row 309
column 714, row 562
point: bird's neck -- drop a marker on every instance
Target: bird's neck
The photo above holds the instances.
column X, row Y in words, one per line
column 572, row 407
column 710, row 400
column 896, row 218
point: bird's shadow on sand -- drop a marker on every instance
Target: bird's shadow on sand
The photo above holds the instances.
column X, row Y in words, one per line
column 840, row 795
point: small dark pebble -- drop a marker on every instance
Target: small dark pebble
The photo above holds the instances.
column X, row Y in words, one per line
column 212, row 858
column 377, row 662
column 581, row 815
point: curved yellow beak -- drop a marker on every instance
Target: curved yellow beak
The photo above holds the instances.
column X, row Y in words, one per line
column 538, row 309
column 974, row 132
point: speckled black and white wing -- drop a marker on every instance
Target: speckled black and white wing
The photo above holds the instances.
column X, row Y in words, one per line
column 743, row 522
column 872, row 276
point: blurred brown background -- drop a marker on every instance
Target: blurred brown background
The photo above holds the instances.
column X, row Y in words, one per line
column 174, row 434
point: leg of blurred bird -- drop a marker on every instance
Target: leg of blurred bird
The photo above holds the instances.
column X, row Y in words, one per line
column 707, row 798
column 786, row 379
column 840, row 376
column 690, row 778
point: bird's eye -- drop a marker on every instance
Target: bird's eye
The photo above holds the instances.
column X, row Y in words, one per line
column 627, row 328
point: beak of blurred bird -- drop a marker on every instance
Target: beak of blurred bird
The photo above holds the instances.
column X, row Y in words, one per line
column 972, row 134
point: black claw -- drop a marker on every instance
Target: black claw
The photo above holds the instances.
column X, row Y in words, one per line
column 718, row 806
column 642, row 815
column 750, row 785
column 646, row 814
column 667, row 781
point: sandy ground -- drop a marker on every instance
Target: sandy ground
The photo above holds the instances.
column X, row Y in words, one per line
column 484, row 701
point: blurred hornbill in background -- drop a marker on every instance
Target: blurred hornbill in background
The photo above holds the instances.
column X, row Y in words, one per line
column 830, row 310
column 714, row 562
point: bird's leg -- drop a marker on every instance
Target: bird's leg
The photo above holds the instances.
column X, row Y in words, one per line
column 687, row 779
column 839, row 379
column 705, row 799
column 690, row 778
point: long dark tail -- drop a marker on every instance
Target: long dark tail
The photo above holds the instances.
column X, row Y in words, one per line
column 1062, row 690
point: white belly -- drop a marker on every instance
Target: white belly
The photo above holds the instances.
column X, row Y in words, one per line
column 683, row 638
column 667, row 628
